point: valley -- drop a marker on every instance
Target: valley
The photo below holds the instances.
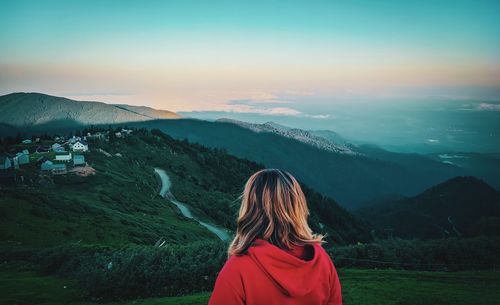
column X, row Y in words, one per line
column 147, row 218
column 322, row 159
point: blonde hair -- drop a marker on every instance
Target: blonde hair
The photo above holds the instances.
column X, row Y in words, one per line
column 274, row 208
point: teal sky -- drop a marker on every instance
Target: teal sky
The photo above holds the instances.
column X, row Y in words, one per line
column 204, row 55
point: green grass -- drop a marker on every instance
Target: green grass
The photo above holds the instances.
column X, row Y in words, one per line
column 387, row 287
column 193, row 299
column 26, row 287
column 360, row 287
column 119, row 205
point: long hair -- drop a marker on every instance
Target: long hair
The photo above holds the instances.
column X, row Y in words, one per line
column 273, row 208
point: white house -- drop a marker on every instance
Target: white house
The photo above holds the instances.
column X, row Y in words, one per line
column 63, row 157
column 80, row 145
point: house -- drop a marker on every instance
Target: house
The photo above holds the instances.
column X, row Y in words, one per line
column 27, row 141
column 47, row 165
column 23, row 157
column 63, row 156
column 5, row 162
column 78, row 160
column 74, row 139
column 58, row 147
column 126, row 131
column 80, row 145
column 59, row 168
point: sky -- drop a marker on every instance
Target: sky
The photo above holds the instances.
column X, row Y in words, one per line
column 267, row 57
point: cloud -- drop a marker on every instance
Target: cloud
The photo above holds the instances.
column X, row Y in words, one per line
column 481, row 107
column 264, row 103
column 318, row 116
column 266, row 110
column 243, row 108
column 257, row 102
column 488, row 107
column 270, row 104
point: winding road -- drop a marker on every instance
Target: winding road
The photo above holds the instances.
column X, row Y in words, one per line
column 165, row 193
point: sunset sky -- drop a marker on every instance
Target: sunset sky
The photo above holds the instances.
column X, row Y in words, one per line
column 239, row 56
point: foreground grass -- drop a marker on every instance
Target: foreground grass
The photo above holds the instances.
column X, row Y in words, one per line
column 360, row 287
column 399, row 287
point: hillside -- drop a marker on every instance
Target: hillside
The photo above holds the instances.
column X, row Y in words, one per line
column 350, row 173
column 28, row 109
column 120, row 203
column 349, row 178
column 462, row 206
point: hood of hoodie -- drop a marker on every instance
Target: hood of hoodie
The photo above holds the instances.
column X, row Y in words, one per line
column 293, row 275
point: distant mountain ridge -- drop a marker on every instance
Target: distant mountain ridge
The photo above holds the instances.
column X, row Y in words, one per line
column 30, row 109
column 349, row 178
column 300, row 135
column 350, row 173
column 461, row 206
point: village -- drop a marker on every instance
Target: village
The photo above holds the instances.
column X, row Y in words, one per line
column 53, row 156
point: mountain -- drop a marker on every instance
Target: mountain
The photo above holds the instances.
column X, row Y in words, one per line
column 331, row 136
column 349, row 178
column 120, row 203
column 300, row 135
column 461, row 206
column 350, row 173
column 29, row 109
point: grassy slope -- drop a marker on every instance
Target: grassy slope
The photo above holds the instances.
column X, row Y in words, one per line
column 120, row 204
column 360, row 287
column 336, row 175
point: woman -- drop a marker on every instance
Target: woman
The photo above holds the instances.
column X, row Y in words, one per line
column 275, row 258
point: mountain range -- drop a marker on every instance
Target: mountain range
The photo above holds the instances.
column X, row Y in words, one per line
column 300, row 135
column 349, row 178
column 351, row 173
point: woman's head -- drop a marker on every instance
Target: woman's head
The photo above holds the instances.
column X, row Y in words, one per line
column 274, row 208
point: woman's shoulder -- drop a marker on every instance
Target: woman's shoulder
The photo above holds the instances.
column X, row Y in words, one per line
column 238, row 260
column 236, row 263
column 322, row 253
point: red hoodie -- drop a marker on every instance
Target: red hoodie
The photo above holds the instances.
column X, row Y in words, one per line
column 268, row 275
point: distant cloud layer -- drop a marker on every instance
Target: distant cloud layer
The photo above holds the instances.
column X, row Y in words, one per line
column 489, row 106
column 271, row 104
column 482, row 107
